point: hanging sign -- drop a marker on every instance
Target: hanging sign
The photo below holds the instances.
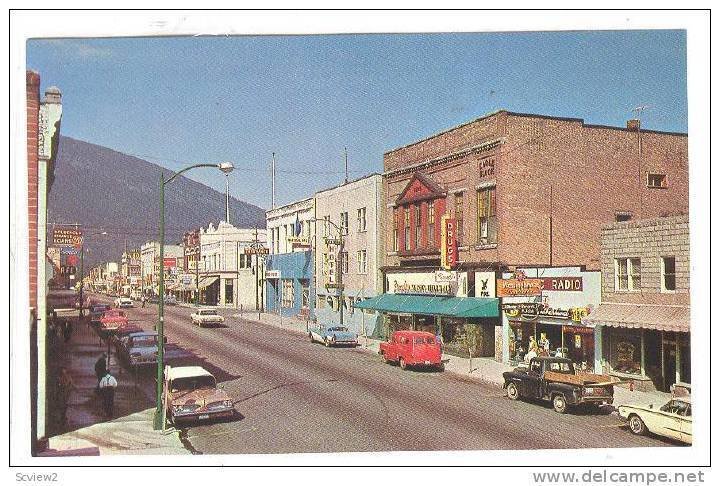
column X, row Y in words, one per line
column 448, row 243
column 63, row 236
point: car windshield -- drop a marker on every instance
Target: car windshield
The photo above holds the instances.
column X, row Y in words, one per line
column 561, row 367
column 144, row 341
column 193, row 383
column 338, row 329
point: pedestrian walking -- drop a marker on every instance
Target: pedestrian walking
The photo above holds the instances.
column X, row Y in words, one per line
column 100, row 370
column 65, row 386
column 142, row 301
column 108, row 383
column 67, row 330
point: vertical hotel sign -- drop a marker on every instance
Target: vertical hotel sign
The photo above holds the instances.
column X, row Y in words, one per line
column 448, row 243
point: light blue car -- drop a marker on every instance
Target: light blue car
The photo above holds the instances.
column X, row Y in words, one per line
column 333, row 336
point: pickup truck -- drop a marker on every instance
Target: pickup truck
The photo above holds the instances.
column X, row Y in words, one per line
column 412, row 348
column 555, row 380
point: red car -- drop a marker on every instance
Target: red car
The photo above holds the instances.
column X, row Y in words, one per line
column 412, row 348
column 112, row 320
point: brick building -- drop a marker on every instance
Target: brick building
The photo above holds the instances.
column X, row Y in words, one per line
column 524, row 191
column 642, row 326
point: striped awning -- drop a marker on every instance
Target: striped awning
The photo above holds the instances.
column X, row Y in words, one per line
column 672, row 318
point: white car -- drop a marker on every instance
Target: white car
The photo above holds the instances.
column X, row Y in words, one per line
column 206, row 315
column 673, row 420
column 124, row 302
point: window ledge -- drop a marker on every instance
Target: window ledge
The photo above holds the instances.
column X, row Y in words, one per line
column 489, row 246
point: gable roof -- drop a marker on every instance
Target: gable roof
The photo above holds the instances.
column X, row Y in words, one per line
column 435, row 190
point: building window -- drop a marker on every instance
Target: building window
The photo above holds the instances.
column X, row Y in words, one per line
column 657, row 181
column 418, row 226
column 344, row 262
column 459, row 199
column 361, row 219
column 667, row 268
column 431, row 224
column 396, row 223
column 362, row 261
column 305, row 284
column 228, row 291
column 344, row 223
column 627, row 274
column 288, row 293
column 622, row 216
column 487, row 220
column 407, row 227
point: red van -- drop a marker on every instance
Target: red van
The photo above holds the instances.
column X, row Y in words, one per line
column 412, row 348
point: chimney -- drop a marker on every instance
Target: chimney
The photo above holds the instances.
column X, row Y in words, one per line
column 633, row 124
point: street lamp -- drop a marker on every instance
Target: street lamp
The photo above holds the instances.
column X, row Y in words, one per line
column 226, row 168
column 341, row 246
column 82, row 267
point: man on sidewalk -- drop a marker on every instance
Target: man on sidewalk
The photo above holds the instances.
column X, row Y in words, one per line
column 100, row 370
column 108, row 383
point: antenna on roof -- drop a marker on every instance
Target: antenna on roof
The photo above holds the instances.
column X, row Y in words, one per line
column 639, row 109
column 346, row 167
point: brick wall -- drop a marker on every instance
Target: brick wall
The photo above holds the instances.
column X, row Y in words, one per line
column 32, row 82
column 593, row 173
column 649, row 240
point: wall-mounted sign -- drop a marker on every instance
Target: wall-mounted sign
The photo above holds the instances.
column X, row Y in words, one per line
column 448, row 243
column 425, row 283
column 256, row 251
column 272, row 274
column 514, row 287
column 565, row 284
column 577, row 314
column 66, row 236
column 524, row 309
column 424, row 289
column 445, row 276
column 298, row 240
column 169, row 262
column 485, row 284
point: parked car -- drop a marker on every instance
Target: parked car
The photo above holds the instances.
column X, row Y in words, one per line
column 554, row 379
column 153, row 299
column 333, row 335
column 190, row 393
column 112, row 320
column 121, row 332
column 673, row 420
column 206, row 315
column 139, row 348
column 124, row 302
column 412, row 348
column 170, row 300
column 97, row 311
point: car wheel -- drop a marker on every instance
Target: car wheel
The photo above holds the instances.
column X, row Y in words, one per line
column 311, row 338
column 512, row 391
column 327, row 343
column 403, row 364
column 559, row 403
column 637, row 426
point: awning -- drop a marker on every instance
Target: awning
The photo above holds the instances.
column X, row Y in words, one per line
column 675, row 318
column 208, row 281
column 432, row 305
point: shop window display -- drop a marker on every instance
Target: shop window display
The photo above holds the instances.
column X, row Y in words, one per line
column 625, row 352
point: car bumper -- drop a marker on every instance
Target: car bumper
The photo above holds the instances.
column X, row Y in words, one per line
column 203, row 416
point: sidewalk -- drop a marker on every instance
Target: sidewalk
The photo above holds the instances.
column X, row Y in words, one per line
column 87, row 431
column 483, row 369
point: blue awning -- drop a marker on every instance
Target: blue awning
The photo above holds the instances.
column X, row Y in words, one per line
column 432, row 305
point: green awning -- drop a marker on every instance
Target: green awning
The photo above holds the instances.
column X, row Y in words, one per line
column 432, row 305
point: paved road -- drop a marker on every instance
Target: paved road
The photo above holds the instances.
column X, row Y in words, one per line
column 294, row 396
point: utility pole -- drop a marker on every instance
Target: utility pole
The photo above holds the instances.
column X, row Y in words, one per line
column 272, row 178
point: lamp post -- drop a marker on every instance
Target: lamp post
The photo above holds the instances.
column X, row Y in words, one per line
column 341, row 247
column 226, row 168
column 82, row 268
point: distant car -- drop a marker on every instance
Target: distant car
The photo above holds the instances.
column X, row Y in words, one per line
column 412, row 348
column 124, row 302
column 190, row 393
column 140, row 348
column 170, row 300
column 206, row 315
column 153, row 299
column 673, row 420
column 333, row 335
column 112, row 320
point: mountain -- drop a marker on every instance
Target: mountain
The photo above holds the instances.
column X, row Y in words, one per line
column 105, row 190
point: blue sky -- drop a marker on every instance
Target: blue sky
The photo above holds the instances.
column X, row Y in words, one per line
column 181, row 100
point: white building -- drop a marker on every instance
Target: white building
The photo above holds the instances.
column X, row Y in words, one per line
column 355, row 209
column 228, row 274
column 150, row 264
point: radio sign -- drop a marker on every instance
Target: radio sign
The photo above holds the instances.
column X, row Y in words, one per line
column 565, row 284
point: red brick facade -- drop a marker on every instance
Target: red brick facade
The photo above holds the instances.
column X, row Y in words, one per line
column 32, row 82
column 582, row 176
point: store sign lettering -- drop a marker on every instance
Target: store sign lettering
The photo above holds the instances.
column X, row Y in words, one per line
column 513, row 287
column 448, row 243
column 425, row 289
column 565, row 284
column 67, row 237
column 486, row 167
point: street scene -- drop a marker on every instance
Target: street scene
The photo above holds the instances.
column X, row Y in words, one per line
column 373, row 248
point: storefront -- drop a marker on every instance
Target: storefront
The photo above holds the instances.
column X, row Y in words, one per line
column 288, row 289
column 438, row 302
column 543, row 309
column 648, row 344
